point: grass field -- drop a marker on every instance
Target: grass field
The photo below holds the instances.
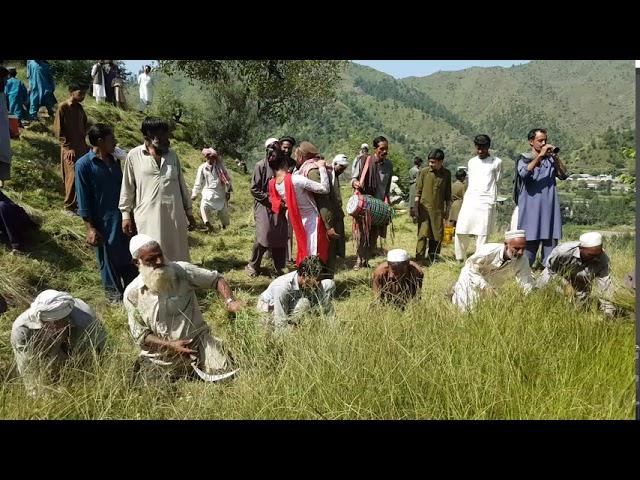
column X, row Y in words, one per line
column 512, row 358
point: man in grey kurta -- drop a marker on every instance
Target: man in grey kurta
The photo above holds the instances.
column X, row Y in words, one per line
column 580, row 264
column 538, row 201
column 165, row 319
column 154, row 198
column 376, row 182
column 271, row 228
column 54, row 328
column 413, row 177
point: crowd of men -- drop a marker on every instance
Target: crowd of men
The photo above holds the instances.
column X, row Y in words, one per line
column 137, row 211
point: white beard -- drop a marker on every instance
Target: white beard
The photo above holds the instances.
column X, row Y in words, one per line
column 160, row 280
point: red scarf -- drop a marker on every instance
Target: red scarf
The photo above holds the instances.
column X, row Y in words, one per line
column 296, row 220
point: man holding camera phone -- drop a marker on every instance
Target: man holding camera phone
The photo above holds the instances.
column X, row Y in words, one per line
column 538, row 201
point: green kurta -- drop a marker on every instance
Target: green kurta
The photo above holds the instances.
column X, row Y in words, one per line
column 457, row 193
column 434, row 190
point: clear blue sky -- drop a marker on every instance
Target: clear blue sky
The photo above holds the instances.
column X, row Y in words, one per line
column 395, row 68
column 422, row 68
column 134, row 66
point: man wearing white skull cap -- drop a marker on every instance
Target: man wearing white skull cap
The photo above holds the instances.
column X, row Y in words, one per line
column 579, row 264
column 397, row 280
column 46, row 335
column 165, row 319
column 490, row 267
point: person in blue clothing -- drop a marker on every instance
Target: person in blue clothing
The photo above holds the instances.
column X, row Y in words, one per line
column 538, row 200
column 41, row 87
column 98, row 177
column 17, row 95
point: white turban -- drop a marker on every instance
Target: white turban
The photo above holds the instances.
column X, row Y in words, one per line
column 511, row 234
column 270, row 141
column 49, row 306
column 397, row 255
column 341, row 159
column 590, row 239
column 394, row 179
column 139, row 241
column 364, row 145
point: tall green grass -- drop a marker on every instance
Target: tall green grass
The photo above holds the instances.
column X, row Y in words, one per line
column 514, row 357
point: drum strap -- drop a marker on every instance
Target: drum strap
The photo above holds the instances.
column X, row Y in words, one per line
column 363, row 174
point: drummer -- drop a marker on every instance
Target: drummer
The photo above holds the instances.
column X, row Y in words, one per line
column 432, row 202
column 371, row 175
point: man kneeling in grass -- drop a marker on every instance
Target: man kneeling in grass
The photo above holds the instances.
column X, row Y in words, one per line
column 297, row 292
column 53, row 329
column 397, row 280
column 579, row 264
column 490, row 267
column 166, row 321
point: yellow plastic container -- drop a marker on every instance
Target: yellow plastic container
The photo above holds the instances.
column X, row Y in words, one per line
column 448, row 234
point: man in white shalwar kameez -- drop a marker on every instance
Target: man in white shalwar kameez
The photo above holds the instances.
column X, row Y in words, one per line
column 213, row 180
column 99, row 87
column 478, row 211
column 145, row 82
column 154, row 198
column 490, row 267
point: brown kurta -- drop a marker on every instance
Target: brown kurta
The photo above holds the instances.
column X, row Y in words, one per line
column 70, row 126
column 434, row 190
column 392, row 289
column 457, row 193
column 330, row 208
column 271, row 229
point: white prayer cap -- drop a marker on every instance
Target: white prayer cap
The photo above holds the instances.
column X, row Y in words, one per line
column 270, row 141
column 394, row 179
column 364, row 145
column 397, row 255
column 590, row 239
column 341, row 159
column 49, row 306
column 511, row 234
column 137, row 242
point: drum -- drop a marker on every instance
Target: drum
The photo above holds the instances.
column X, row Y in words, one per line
column 380, row 212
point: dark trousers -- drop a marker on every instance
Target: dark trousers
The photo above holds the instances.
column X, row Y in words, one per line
column 531, row 250
column 279, row 256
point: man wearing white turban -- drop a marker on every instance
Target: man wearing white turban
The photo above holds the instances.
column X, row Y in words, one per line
column 165, row 319
column 54, row 327
column 490, row 267
column 579, row 264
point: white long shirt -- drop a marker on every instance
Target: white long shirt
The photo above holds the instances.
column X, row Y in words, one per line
column 209, row 183
column 146, row 87
column 477, row 213
column 487, row 269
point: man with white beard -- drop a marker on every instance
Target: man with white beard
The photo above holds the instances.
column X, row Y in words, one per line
column 166, row 321
column 490, row 267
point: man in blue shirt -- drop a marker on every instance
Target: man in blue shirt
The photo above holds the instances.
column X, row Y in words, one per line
column 42, row 87
column 97, row 180
column 17, row 95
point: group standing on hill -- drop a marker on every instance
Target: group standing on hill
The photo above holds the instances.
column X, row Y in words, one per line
column 137, row 210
